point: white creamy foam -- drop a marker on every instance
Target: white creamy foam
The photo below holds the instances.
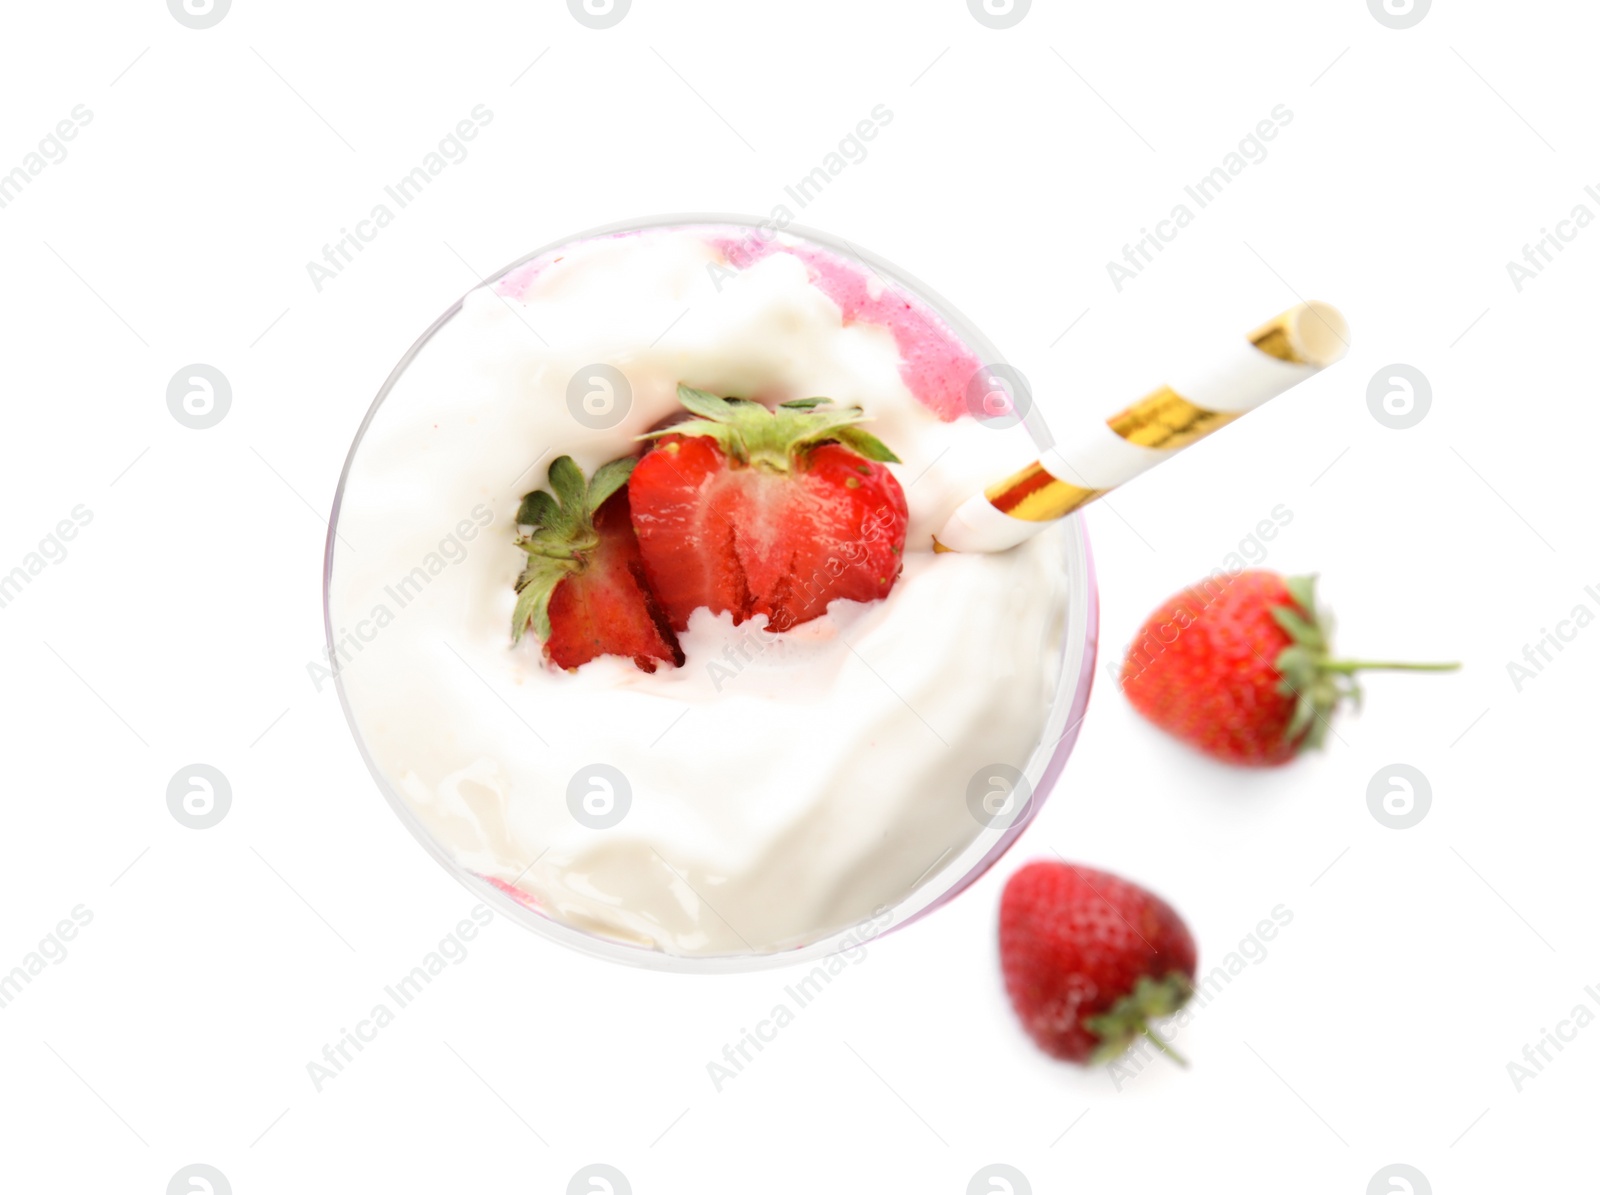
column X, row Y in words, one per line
column 783, row 787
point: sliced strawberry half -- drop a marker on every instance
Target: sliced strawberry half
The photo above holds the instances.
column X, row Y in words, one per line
column 756, row 510
column 584, row 590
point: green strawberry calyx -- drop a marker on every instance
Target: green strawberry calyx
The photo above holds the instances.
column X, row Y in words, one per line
column 774, row 438
column 1308, row 672
column 560, row 535
column 1129, row 1018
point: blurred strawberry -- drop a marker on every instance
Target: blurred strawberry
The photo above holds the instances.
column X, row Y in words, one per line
column 1090, row 960
column 1240, row 668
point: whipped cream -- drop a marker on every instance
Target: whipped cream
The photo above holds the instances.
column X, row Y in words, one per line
column 782, row 787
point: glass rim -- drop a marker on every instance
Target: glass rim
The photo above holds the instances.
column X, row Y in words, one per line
column 1045, row 763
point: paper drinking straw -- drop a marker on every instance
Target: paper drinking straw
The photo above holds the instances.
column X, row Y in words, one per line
column 1281, row 353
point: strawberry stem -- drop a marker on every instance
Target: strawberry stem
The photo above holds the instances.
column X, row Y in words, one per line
column 1163, row 1046
column 1307, row 673
column 1130, row 1016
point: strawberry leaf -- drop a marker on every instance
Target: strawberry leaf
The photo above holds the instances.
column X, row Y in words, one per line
column 538, row 509
column 1301, row 630
column 814, row 426
column 707, row 406
column 566, row 479
column 1317, row 735
column 538, row 582
column 1304, row 710
column 804, row 404
column 1298, row 668
column 1354, row 693
column 727, row 437
column 1304, row 592
column 608, row 479
column 866, row 444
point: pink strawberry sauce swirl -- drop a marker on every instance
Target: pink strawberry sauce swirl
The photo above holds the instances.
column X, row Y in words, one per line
column 515, row 283
column 934, row 364
column 524, row 899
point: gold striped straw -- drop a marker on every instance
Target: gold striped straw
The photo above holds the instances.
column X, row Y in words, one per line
column 1282, row 353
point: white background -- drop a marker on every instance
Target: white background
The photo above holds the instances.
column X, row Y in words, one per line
column 1018, row 162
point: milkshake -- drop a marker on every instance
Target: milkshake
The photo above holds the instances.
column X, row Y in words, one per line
column 736, row 769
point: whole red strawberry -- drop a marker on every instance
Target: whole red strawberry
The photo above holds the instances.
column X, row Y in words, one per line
column 1240, row 668
column 1090, row 959
column 756, row 510
column 584, row 590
